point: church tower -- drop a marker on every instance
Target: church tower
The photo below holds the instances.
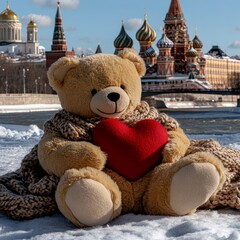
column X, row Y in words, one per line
column 192, row 61
column 198, row 45
column 32, row 45
column 177, row 32
column 59, row 46
column 32, row 31
column 165, row 62
column 146, row 36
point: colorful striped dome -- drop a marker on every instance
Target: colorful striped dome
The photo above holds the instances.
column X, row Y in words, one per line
column 150, row 52
column 197, row 43
column 123, row 40
column 164, row 42
column 191, row 52
column 146, row 33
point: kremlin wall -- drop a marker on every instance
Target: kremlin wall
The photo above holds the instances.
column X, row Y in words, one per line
column 178, row 63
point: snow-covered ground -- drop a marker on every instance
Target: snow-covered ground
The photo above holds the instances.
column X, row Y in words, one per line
column 28, row 108
column 16, row 141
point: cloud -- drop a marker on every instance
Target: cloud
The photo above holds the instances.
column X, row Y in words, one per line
column 133, row 24
column 235, row 44
column 79, row 50
column 85, row 52
column 41, row 20
column 70, row 4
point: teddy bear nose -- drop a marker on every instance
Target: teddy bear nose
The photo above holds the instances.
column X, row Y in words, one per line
column 113, row 96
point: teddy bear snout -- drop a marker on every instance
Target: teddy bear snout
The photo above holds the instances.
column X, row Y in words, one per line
column 110, row 102
column 113, row 96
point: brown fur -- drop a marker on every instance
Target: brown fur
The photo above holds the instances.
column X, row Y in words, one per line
column 74, row 80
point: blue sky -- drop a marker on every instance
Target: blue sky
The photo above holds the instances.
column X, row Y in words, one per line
column 89, row 22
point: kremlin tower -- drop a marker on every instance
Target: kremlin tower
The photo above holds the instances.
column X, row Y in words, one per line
column 59, row 47
column 177, row 32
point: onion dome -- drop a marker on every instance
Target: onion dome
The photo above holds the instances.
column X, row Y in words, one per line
column 191, row 52
column 123, row 40
column 197, row 43
column 8, row 15
column 150, row 52
column 164, row 42
column 146, row 33
column 32, row 24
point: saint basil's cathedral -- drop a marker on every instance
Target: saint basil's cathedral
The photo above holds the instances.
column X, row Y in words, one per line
column 180, row 60
column 178, row 63
column 177, row 54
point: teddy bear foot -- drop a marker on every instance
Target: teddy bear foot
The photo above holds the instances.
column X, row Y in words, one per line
column 88, row 197
column 90, row 202
column 192, row 186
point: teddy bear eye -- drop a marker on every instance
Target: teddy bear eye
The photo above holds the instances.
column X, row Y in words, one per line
column 94, row 91
column 122, row 86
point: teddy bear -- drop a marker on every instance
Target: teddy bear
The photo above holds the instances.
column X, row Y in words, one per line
column 92, row 192
column 108, row 153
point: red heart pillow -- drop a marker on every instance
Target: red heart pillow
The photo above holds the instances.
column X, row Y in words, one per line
column 131, row 151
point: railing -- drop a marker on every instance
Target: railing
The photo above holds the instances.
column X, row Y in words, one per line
column 192, row 91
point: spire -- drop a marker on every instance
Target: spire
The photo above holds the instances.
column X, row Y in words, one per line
column 175, row 8
column 175, row 20
column 58, row 14
column 145, row 16
column 98, row 50
column 196, row 32
column 8, row 7
column 59, row 46
column 58, row 34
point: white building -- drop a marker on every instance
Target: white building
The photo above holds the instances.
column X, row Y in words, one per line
column 11, row 35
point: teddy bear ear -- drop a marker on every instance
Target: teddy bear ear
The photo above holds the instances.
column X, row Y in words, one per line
column 58, row 70
column 131, row 55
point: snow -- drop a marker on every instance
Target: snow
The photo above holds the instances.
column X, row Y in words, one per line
column 29, row 108
column 16, row 141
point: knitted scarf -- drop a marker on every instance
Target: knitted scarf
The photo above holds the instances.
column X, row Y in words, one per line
column 229, row 195
column 29, row 191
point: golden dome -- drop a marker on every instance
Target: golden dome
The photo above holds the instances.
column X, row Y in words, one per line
column 32, row 24
column 191, row 52
column 8, row 15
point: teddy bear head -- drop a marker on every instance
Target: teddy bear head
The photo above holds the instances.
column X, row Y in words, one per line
column 103, row 85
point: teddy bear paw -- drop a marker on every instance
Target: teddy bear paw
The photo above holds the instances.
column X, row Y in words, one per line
column 88, row 197
column 90, row 202
column 192, row 186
